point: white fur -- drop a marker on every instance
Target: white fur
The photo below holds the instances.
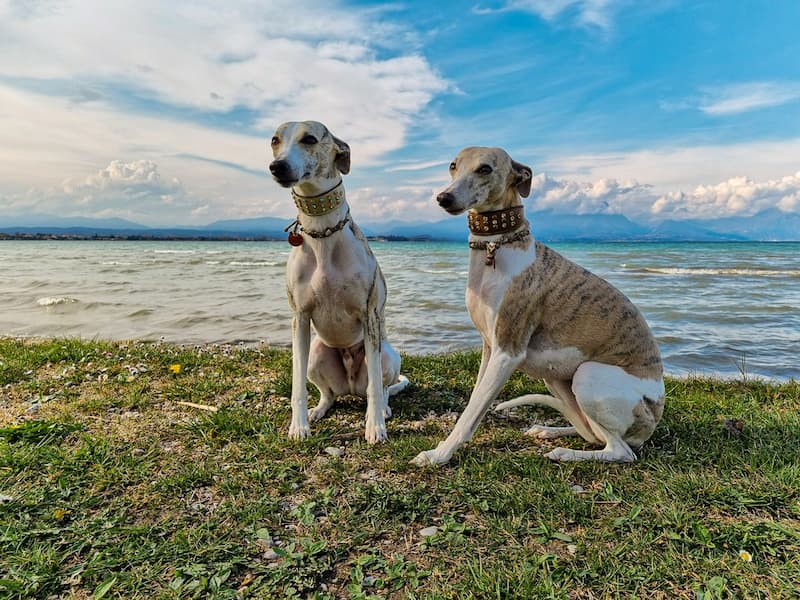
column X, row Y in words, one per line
column 334, row 282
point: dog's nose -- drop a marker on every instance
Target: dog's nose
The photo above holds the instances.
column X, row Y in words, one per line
column 279, row 169
column 446, row 199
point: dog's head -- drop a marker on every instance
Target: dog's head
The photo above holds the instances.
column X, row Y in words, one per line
column 484, row 179
column 305, row 152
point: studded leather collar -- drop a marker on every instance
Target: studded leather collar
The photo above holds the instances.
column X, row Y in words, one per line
column 496, row 221
column 316, row 206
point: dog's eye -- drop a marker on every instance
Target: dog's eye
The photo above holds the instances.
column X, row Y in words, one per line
column 483, row 170
column 453, row 166
column 308, row 139
column 275, row 141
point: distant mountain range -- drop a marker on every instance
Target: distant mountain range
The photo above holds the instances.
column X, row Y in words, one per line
column 769, row 225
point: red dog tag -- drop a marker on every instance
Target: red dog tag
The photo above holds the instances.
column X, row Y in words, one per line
column 295, row 239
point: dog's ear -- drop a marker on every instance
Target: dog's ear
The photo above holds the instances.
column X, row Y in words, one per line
column 342, row 160
column 523, row 176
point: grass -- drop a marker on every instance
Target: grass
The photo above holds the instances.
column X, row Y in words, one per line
column 110, row 489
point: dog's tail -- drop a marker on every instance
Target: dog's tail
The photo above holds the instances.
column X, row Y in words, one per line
column 530, row 399
column 402, row 382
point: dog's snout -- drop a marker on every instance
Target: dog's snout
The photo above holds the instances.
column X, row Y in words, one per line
column 446, row 200
column 279, row 168
column 282, row 172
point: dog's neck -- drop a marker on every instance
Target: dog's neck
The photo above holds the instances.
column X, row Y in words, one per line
column 491, row 230
column 496, row 222
column 316, row 204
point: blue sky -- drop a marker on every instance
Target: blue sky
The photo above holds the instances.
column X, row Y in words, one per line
column 159, row 112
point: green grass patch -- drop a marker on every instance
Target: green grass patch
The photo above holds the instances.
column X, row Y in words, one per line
column 111, row 488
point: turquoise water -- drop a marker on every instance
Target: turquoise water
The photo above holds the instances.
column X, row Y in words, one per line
column 716, row 309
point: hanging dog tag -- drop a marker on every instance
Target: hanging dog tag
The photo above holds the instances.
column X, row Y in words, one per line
column 295, row 239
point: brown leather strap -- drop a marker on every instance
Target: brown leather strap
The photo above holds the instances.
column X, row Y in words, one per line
column 496, row 221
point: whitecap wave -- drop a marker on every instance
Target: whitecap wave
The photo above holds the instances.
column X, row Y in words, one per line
column 55, row 300
column 724, row 271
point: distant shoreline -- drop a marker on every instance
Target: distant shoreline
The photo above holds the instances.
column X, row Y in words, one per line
column 138, row 237
column 111, row 237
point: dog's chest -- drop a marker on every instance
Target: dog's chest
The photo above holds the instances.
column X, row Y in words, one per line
column 330, row 285
column 487, row 286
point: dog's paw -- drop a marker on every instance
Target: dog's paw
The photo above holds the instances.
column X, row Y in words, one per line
column 375, row 433
column 561, row 455
column 542, row 432
column 316, row 413
column 299, row 431
column 428, row 458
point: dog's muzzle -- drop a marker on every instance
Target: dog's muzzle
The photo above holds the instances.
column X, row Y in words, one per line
column 448, row 202
column 282, row 172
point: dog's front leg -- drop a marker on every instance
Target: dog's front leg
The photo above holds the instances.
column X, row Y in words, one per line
column 486, row 353
column 375, row 428
column 301, row 341
column 499, row 367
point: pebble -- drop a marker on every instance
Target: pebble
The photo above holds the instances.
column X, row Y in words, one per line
column 578, row 489
column 333, row 451
column 371, row 474
column 271, row 555
column 137, row 451
column 429, row 531
column 32, row 409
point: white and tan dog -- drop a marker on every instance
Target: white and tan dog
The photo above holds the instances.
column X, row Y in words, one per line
column 552, row 319
column 333, row 281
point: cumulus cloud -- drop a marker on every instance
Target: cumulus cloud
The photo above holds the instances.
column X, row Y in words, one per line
column 133, row 190
column 601, row 196
column 135, row 179
column 738, row 196
column 402, row 203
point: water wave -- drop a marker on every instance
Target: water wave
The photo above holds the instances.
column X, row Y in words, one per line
column 750, row 272
column 55, row 300
column 255, row 263
column 442, row 272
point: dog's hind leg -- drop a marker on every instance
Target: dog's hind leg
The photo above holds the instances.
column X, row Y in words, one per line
column 614, row 403
column 393, row 382
column 543, row 432
column 540, row 432
column 563, row 401
column 325, row 370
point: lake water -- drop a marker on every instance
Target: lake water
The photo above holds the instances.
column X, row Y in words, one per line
column 716, row 309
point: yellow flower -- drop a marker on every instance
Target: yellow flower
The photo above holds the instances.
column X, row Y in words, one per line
column 60, row 514
column 176, row 368
column 745, row 556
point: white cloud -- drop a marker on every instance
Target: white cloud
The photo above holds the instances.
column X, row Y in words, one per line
column 743, row 97
column 84, row 83
column 280, row 59
column 402, row 203
column 598, row 13
column 131, row 190
column 672, row 168
column 739, row 196
column 602, row 196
